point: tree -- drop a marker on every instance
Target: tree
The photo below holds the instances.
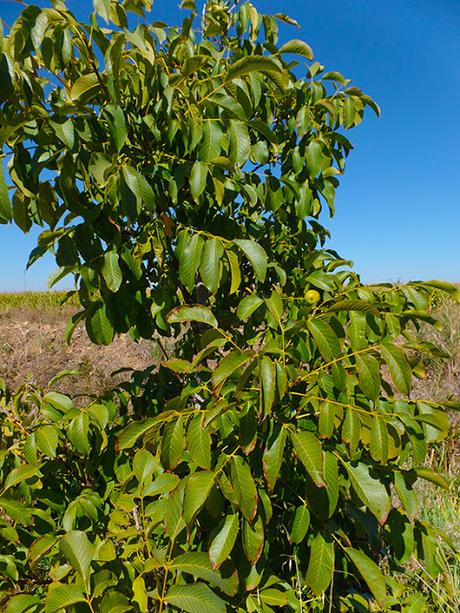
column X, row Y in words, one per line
column 179, row 174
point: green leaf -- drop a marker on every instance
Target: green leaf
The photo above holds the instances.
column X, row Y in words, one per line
column 273, row 456
column 111, row 271
column 369, row 375
column 79, row 553
column 197, row 491
column 256, row 255
column 353, row 305
column 6, row 211
column 253, row 540
column 349, row 112
column 287, row 19
column 406, row 494
column 239, row 142
column 245, row 487
column 60, row 597
column 22, row 603
column 274, row 598
column 222, row 544
column 314, row 158
column 99, row 327
column 17, row 511
column 115, row 602
column 351, row 428
column 40, row 548
column 85, row 87
column 248, row 305
column 188, row 253
column 140, row 595
column 47, row 440
column 257, row 63
column 173, row 444
column 197, row 179
column 200, row 314
column 379, row 440
column 140, row 187
column 324, row 335
column 267, row 382
column 198, row 565
column 199, row 443
column 370, row 572
column 310, row 453
column 144, row 465
column 228, row 366
column 178, row 365
column 78, row 431
column 357, row 331
column 300, row 523
column 65, row 132
column 370, row 491
column 326, row 422
column 211, row 143
column 117, row 126
column 398, row 366
column 210, row 267
column 320, row 569
column 234, row 271
column 59, row 401
column 133, row 432
column 195, row 598
column 18, row 475
column 298, row 47
column 430, row 475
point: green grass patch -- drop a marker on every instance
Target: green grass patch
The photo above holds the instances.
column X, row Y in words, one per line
column 36, row 300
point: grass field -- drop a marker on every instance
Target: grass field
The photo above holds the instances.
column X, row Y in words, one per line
column 35, row 300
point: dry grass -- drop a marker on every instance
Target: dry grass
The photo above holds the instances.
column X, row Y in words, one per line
column 32, row 346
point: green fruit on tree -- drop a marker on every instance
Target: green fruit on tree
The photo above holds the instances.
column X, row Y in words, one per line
column 312, row 296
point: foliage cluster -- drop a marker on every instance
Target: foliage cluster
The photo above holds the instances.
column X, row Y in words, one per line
column 270, row 464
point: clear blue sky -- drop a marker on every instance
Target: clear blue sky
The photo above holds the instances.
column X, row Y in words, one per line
column 398, row 214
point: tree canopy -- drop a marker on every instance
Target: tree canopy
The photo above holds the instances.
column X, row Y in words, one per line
column 269, row 461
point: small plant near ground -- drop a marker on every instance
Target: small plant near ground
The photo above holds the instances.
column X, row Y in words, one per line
column 271, row 462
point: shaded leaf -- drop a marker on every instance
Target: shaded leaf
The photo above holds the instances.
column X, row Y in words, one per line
column 370, row 572
column 256, row 255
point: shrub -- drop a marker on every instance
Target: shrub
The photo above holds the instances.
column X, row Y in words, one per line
column 270, row 463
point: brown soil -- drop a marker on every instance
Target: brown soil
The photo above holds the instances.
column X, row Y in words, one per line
column 33, row 349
